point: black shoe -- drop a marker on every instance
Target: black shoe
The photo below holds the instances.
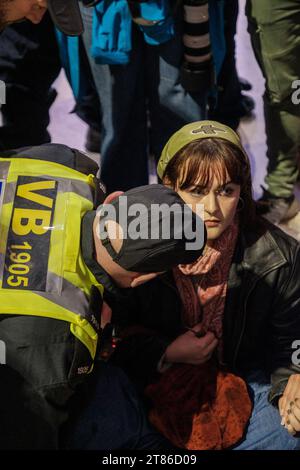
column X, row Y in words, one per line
column 245, row 85
column 93, row 140
column 277, row 209
column 247, row 106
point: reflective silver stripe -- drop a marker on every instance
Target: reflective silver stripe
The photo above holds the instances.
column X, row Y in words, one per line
column 72, row 298
column 65, row 185
column 9, row 193
column 79, row 187
column 74, row 186
column 54, row 283
column 2, row 261
column 4, row 169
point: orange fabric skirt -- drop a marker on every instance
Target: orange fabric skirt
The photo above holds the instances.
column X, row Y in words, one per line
column 200, row 407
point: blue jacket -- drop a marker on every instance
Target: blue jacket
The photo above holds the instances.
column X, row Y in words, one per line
column 112, row 23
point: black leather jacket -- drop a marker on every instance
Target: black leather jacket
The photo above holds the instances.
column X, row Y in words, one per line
column 261, row 318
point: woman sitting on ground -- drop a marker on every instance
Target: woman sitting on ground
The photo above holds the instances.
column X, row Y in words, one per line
column 216, row 344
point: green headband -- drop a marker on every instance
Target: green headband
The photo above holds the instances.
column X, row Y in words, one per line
column 194, row 131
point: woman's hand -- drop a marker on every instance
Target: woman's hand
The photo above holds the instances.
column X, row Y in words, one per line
column 289, row 405
column 190, row 349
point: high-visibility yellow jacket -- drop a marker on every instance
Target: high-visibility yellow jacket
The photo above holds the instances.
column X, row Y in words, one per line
column 48, row 329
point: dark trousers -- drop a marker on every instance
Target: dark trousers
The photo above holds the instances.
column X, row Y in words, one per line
column 274, row 27
column 228, row 107
column 29, row 64
column 147, row 89
column 109, row 415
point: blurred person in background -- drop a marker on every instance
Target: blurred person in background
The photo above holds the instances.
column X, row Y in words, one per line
column 274, row 27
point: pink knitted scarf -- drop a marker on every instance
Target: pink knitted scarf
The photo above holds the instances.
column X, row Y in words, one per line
column 203, row 285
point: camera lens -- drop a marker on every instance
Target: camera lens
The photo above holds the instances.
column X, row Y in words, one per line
column 197, row 69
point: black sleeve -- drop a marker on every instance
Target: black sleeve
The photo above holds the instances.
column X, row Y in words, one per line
column 285, row 327
column 139, row 354
column 147, row 323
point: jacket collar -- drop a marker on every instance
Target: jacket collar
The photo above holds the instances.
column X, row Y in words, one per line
column 256, row 253
column 260, row 251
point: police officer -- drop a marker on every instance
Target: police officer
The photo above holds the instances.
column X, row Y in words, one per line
column 57, row 258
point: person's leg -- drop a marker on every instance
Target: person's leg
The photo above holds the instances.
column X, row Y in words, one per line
column 231, row 104
column 111, row 416
column 274, row 26
column 88, row 107
column 265, row 431
column 170, row 106
column 29, row 64
column 124, row 132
